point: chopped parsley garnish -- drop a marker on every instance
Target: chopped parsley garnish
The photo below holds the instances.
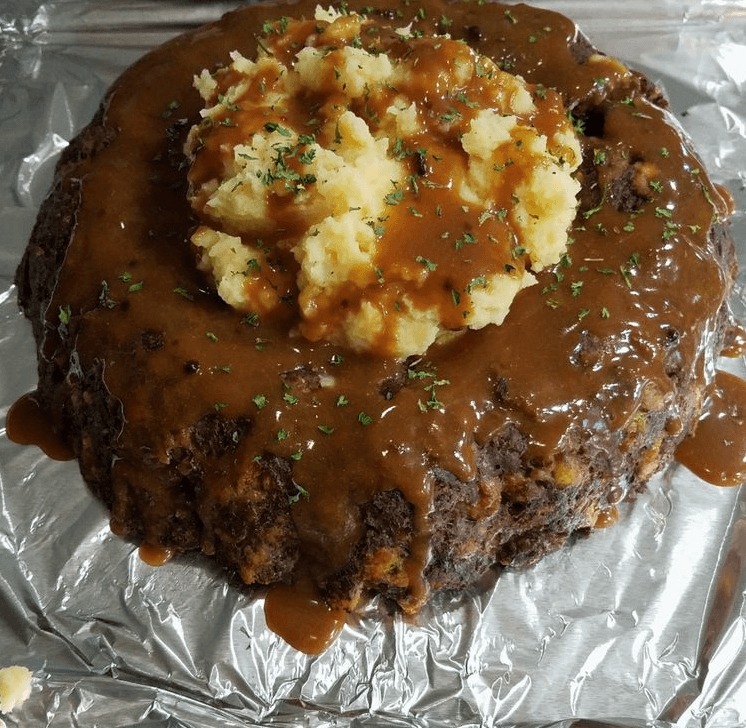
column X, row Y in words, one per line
column 260, row 401
column 671, row 229
column 464, row 99
column 593, row 210
column 394, row 198
column 271, row 126
column 300, row 492
column 466, row 239
column 427, row 263
column 307, row 157
column 225, row 102
column 502, row 167
column 432, row 403
column 486, row 215
column 183, row 293
column 625, row 271
column 477, row 281
column 282, row 172
column 450, row 116
column 421, row 373
column 578, row 124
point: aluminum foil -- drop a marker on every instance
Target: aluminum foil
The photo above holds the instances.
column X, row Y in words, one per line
column 642, row 624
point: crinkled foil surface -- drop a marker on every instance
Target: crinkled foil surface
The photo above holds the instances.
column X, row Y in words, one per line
column 642, row 624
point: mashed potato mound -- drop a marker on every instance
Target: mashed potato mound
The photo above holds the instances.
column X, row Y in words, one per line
column 376, row 187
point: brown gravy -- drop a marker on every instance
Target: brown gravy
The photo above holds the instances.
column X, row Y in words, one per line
column 301, row 617
column 737, row 345
column 716, row 452
column 155, row 555
column 634, row 283
column 28, row 424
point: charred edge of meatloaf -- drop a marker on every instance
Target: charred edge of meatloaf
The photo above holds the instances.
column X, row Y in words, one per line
column 89, row 418
column 36, row 276
column 171, row 503
column 252, row 531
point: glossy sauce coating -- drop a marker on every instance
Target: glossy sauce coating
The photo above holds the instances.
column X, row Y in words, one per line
column 28, row 424
column 630, row 279
column 302, row 618
column 155, row 555
column 716, row 452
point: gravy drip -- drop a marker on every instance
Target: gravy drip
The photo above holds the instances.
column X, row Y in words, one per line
column 301, row 617
column 28, row 424
column 716, row 451
column 155, row 555
column 348, row 426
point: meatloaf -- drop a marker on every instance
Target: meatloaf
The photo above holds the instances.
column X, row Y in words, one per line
column 204, row 428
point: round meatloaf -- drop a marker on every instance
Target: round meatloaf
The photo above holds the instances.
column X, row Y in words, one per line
column 204, row 429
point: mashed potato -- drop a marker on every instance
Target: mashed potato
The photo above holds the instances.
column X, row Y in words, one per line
column 15, row 687
column 392, row 187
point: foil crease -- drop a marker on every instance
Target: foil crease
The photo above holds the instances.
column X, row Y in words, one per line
column 640, row 625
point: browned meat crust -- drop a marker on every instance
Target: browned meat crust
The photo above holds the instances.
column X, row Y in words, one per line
column 518, row 505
